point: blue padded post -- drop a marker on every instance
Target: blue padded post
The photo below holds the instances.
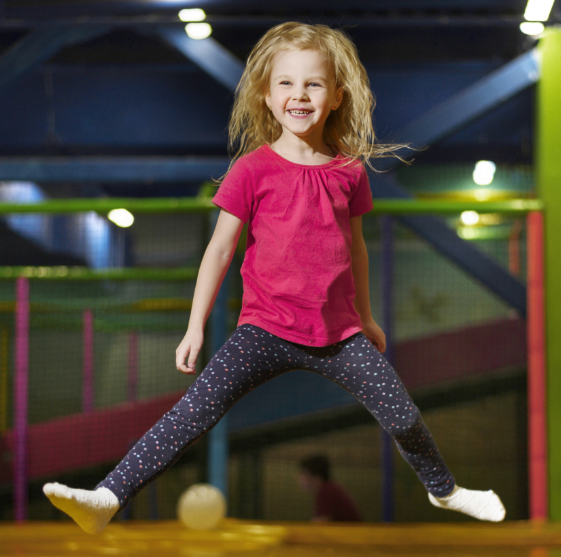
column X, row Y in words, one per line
column 387, row 324
column 218, row 436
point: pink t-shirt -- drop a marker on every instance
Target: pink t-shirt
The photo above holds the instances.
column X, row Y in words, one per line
column 297, row 271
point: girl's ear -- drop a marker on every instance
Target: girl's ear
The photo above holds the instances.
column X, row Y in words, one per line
column 268, row 99
column 339, row 96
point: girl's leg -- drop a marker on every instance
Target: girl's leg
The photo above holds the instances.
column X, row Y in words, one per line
column 358, row 367
column 249, row 358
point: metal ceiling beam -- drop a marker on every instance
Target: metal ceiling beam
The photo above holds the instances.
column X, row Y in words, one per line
column 40, row 45
column 133, row 170
column 89, row 6
column 463, row 108
column 208, row 54
column 240, row 20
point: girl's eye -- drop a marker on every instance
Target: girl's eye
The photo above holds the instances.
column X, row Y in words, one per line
column 314, row 84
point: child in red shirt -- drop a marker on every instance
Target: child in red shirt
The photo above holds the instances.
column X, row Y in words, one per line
column 302, row 119
column 332, row 501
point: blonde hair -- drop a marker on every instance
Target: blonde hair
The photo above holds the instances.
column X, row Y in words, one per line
column 348, row 129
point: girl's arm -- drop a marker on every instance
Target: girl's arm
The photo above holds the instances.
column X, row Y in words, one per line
column 359, row 256
column 212, row 271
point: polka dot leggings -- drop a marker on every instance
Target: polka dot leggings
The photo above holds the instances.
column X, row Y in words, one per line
column 253, row 356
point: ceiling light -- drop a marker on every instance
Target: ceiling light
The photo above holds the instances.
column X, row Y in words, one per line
column 532, row 28
column 121, row 217
column 192, row 14
column 470, row 218
column 538, row 10
column 198, row 30
column 484, row 173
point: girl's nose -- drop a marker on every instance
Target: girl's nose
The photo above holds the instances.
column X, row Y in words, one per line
column 299, row 94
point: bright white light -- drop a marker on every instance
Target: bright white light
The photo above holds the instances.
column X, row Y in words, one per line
column 121, row 217
column 470, row 218
column 538, row 10
column 198, row 30
column 484, row 173
column 532, row 28
column 193, row 14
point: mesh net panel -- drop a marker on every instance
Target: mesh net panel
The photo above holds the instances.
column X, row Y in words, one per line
column 474, row 405
column 476, row 414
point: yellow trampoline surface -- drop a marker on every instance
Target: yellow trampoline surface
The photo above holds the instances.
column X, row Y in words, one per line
column 260, row 539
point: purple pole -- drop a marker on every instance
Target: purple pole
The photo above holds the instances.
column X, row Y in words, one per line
column 387, row 321
column 88, row 393
column 21, row 398
column 132, row 377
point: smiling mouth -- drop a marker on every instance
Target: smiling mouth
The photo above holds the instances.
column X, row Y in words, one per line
column 299, row 112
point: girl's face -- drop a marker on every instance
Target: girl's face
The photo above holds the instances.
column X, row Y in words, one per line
column 302, row 93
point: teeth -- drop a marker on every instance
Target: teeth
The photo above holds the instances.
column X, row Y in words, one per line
column 299, row 111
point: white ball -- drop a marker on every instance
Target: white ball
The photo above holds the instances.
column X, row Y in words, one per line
column 201, row 507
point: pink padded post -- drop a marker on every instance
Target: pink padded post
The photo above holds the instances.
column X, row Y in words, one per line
column 21, row 398
column 537, row 411
column 88, row 392
column 132, row 378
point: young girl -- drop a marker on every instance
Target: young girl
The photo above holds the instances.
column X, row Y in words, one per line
column 302, row 118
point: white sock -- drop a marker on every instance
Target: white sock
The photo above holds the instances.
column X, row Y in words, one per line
column 91, row 510
column 483, row 505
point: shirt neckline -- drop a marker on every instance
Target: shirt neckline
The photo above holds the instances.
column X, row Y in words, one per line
column 271, row 150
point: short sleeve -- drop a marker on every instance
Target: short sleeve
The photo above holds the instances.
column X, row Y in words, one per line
column 235, row 193
column 361, row 200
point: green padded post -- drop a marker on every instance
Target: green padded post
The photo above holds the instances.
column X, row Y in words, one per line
column 548, row 175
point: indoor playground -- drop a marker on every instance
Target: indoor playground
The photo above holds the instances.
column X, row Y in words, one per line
column 113, row 128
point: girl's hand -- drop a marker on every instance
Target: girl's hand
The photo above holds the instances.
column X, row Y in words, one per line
column 375, row 335
column 189, row 347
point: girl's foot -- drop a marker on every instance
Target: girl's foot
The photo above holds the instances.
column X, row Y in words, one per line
column 483, row 505
column 91, row 510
